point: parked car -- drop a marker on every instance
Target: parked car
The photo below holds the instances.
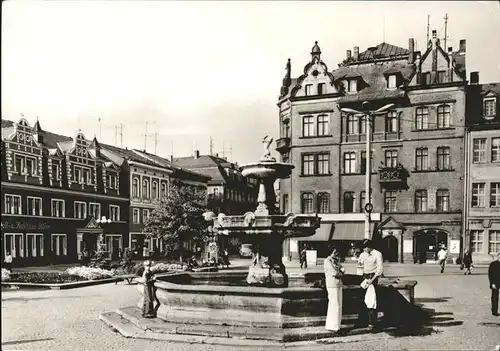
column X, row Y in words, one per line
column 246, row 250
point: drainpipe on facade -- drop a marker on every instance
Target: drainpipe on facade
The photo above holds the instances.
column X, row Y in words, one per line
column 465, row 224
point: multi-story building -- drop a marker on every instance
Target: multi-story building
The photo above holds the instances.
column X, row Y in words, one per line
column 482, row 209
column 417, row 147
column 55, row 192
column 148, row 180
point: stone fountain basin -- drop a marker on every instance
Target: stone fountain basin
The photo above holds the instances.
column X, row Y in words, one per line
column 267, row 170
column 207, row 301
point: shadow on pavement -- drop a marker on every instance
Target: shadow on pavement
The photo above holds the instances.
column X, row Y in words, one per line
column 422, row 300
column 25, row 341
column 490, row 324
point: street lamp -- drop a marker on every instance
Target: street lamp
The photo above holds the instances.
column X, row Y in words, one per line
column 368, row 117
column 103, row 220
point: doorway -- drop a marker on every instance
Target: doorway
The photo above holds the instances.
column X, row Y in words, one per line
column 390, row 248
column 426, row 243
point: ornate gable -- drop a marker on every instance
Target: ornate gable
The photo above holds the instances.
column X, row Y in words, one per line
column 316, row 80
column 81, row 165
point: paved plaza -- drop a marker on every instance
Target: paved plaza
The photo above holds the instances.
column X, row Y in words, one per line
column 68, row 319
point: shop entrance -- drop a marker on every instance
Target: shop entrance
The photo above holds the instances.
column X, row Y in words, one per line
column 426, row 243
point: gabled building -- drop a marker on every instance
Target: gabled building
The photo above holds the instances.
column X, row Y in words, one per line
column 417, row 148
column 55, row 192
column 482, row 210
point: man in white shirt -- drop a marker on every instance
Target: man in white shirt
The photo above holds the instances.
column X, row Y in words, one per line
column 442, row 256
column 373, row 268
column 8, row 261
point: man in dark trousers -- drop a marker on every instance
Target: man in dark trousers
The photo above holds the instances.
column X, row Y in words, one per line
column 494, row 276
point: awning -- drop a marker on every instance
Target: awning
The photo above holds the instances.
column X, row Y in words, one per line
column 340, row 231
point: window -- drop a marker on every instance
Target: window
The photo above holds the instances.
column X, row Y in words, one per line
column 489, row 107
column 321, row 88
column 362, row 200
column 479, row 151
column 352, row 126
column 13, row 204
column 112, row 181
column 135, row 216
column 323, row 203
column 421, row 159
column 34, row 206
column 55, row 170
column 391, row 158
column 477, row 241
column 349, row 162
column 34, row 245
column 94, row 210
column 135, row 187
column 390, row 201
column 286, row 207
column 163, row 189
column 443, row 200
column 306, row 203
column 494, row 241
column 14, row 244
column 155, row 190
column 495, row 195
column 362, row 163
column 443, row 158
column 421, row 201
column 58, row 208
column 443, row 113
column 495, row 149
column 145, row 215
column 59, row 244
column 391, row 81
column 25, row 165
column 86, row 176
column 349, row 201
column 77, row 174
column 323, row 125
column 114, row 212
column 307, row 126
column 307, row 164
column 391, row 122
column 80, row 210
column 441, row 76
column 427, row 78
column 353, row 86
column 309, row 89
column 478, row 196
column 145, row 189
column 362, row 124
column 422, row 118
column 323, row 161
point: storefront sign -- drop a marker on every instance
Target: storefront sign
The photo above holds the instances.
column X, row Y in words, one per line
column 25, row 226
column 455, row 246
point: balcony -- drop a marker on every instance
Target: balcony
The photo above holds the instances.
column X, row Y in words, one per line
column 283, row 145
column 393, row 178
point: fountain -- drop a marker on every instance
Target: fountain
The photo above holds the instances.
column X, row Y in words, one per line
column 262, row 302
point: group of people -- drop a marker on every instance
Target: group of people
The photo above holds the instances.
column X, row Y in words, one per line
column 466, row 265
column 372, row 268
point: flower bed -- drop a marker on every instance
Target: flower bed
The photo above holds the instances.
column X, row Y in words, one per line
column 44, row 278
column 89, row 273
column 5, row 275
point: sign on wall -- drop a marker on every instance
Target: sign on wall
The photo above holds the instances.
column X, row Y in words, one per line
column 455, row 246
column 294, row 247
column 25, row 226
column 408, row 246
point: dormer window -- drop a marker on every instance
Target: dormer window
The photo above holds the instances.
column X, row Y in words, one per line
column 309, row 89
column 391, row 81
column 321, row 88
column 352, row 86
column 489, row 108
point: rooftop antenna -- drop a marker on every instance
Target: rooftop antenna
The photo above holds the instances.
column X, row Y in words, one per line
column 121, row 134
column 428, row 21
column 157, row 141
column 445, row 30
column 383, row 30
column 146, row 136
column 211, row 148
column 100, row 128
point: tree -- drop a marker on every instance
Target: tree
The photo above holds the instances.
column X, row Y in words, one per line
column 179, row 217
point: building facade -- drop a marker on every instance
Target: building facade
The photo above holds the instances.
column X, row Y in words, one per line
column 55, row 192
column 482, row 210
column 417, row 147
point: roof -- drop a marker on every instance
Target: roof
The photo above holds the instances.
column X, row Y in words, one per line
column 208, row 165
column 490, row 87
column 382, row 50
column 129, row 155
column 7, row 123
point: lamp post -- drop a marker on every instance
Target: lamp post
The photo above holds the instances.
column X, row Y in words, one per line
column 368, row 119
column 103, row 220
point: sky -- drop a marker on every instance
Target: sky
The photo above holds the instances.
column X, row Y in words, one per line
column 195, row 70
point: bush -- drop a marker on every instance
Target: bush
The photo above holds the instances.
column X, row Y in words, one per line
column 89, row 273
column 45, row 277
column 168, row 267
column 126, row 263
column 5, row 275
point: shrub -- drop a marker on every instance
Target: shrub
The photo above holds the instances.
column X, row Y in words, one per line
column 126, row 262
column 89, row 273
column 5, row 275
column 45, row 277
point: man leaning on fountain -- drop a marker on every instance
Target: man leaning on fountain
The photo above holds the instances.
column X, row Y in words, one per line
column 373, row 268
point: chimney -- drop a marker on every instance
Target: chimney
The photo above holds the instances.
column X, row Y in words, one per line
column 217, row 155
column 474, row 78
column 356, row 53
column 196, row 154
column 450, row 57
column 171, row 158
column 348, row 54
column 462, row 46
column 417, row 60
column 434, row 39
column 411, row 49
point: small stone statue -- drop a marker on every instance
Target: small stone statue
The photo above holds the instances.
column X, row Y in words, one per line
column 267, row 142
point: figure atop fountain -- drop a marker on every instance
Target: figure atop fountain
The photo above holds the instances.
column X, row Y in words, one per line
column 267, row 153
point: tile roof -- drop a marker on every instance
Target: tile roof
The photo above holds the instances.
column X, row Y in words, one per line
column 7, row 123
column 129, row 155
column 208, row 165
column 383, row 50
column 493, row 87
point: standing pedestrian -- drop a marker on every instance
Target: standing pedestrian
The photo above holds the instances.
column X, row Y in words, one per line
column 442, row 256
column 333, row 281
column 494, row 277
column 373, row 268
column 226, row 258
column 467, row 262
column 303, row 258
column 8, row 261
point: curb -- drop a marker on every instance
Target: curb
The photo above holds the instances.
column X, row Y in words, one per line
column 63, row 286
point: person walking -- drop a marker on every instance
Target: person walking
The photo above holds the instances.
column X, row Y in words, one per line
column 333, row 281
column 494, row 278
column 467, row 262
column 442, row 256
column 373, row 268
column 303, row 258
column 8, row 261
